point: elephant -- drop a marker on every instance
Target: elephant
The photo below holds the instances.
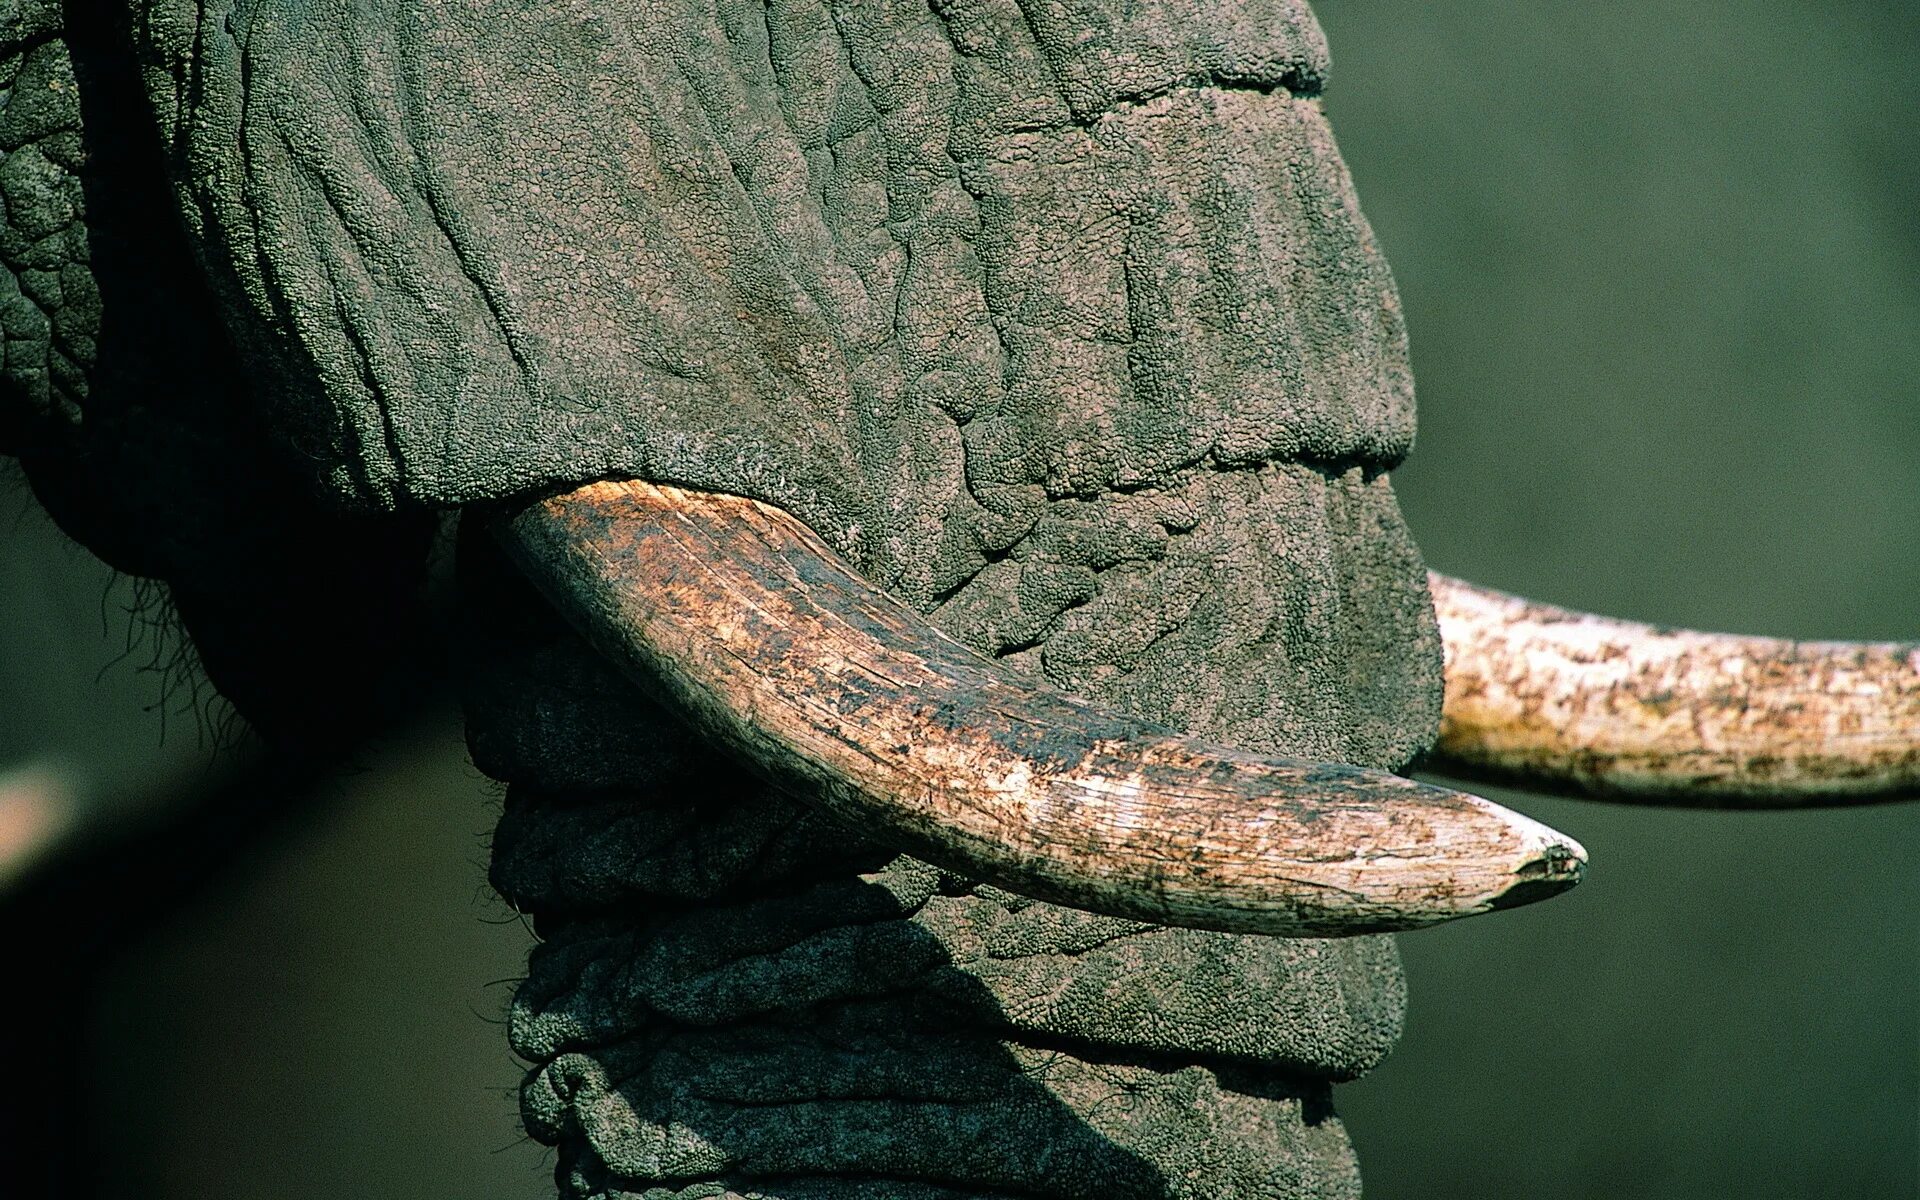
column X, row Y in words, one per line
column 1156, row 475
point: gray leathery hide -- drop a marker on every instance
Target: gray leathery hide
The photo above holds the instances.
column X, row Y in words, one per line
column 1002, row 299
column 906, row 270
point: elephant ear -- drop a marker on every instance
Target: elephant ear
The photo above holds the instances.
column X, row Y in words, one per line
column 907, row 271
column 137, row 429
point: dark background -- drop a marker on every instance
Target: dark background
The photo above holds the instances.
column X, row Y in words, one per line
column 1662, row 269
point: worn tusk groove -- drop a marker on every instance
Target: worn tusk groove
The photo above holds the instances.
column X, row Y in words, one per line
column 1547, row 698
column 742, row 620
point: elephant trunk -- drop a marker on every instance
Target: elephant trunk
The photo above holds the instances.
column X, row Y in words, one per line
column 737, row 996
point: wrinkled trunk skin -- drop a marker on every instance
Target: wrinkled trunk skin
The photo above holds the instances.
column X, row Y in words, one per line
column 736, row 997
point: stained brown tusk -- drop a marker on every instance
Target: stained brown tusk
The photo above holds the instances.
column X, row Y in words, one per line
column 735, row 615
column 1552, row 699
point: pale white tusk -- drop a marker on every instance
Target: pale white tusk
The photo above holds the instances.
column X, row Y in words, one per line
column 1548, row 698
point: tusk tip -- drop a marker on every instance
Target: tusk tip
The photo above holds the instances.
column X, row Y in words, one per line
column 1557, row 865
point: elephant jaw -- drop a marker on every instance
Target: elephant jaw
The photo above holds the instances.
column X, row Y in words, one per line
column 742, row 620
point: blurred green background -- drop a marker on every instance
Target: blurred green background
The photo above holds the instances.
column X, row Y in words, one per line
column 1662, row 269
column 1661, row 266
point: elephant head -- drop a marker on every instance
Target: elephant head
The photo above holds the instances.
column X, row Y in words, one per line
column 972, row 419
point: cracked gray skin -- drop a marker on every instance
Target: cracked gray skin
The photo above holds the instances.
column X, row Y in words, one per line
column 1059, row 320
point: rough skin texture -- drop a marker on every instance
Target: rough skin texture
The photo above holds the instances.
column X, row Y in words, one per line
column 1059, row 319
column 908, row 272
column 982, row 292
